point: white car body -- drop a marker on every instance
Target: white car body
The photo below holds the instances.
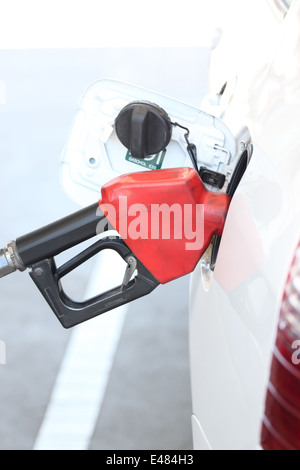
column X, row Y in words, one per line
column 234, row 319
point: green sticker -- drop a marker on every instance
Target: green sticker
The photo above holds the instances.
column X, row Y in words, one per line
column 154, row 162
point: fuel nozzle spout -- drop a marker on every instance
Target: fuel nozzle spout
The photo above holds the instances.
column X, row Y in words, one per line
column 10, row 260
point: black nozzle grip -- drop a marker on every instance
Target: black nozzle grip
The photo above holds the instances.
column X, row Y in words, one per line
column 59, row 236
column 47, row 277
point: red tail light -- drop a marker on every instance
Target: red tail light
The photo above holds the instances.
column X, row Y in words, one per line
column 281, row 423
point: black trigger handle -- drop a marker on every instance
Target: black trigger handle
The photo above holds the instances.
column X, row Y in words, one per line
column 47, row 276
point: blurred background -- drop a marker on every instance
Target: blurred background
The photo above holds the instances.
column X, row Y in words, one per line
column 122, row 381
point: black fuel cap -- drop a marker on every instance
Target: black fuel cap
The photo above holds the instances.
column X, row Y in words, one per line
column 143, row 128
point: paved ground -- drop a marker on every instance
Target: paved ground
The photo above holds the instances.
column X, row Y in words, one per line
column 147, row 401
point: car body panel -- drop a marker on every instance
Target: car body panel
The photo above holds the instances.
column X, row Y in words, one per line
column 234, row 322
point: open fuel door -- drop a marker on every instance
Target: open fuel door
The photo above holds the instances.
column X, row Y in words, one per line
column 94, row 153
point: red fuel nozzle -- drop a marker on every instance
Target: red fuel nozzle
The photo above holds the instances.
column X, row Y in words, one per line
column 166, row 217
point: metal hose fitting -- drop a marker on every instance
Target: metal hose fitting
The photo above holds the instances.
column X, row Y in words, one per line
column 10, row 260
